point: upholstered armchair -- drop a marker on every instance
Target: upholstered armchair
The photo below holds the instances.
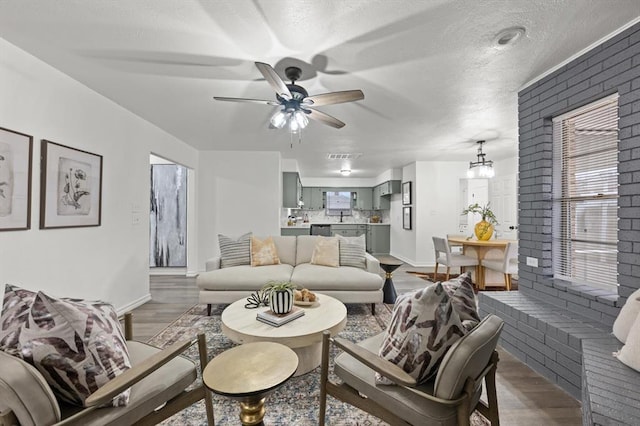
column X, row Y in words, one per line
column 450, row 399
column 158, row 380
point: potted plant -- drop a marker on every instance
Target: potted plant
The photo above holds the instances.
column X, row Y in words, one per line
column 484, row 228
column 280, row 295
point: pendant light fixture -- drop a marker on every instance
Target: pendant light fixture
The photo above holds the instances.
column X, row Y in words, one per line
column 482, row 168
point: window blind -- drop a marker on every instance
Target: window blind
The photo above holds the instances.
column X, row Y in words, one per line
column 585, row 194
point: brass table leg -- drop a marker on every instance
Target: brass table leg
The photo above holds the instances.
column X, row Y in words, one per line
column 252, row 411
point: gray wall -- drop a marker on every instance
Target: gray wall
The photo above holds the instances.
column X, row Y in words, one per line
column 611, row 67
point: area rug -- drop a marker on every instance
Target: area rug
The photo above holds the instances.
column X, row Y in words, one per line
column 296, row 402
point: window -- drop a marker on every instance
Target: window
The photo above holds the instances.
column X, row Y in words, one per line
column 585, row 194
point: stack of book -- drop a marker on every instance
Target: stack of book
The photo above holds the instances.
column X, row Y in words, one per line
column 269, row 317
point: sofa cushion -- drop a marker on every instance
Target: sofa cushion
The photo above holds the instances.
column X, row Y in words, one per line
column 286, row 247
column 318, row 278
column 627, row 316
column 77, row 346
column 423, row 327
column 263, row 252
column 304, row 248
column 243, row 277
column 15, row 314
column 235, row 252
column 326, row 252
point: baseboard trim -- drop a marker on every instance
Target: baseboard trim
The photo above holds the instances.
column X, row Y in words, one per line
column 131, row 306
column 168, row 271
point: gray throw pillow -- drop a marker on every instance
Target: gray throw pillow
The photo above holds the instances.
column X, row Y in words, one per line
column 352, row 251
column 235, row 252
column 463, row 299
column 423, row 327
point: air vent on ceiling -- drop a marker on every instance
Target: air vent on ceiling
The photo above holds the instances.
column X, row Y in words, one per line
column 343, row 156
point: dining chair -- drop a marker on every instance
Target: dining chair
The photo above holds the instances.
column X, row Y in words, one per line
column 445, row 256
column 448, row 400
column 508, row 265
column 159, row 379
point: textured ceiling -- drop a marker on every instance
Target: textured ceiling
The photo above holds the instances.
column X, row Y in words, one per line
column 433, row 78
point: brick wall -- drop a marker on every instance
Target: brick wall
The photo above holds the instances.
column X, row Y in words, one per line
column 611, row 67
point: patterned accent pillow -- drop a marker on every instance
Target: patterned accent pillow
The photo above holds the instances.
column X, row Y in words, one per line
column 463, row 298
column 423, row 327
column 264, row 252
column 235, row 252
column 78, row 346
column 627, row 316
column 15, row 314
column 352, row 251
column 629, row 355
column 326, row 252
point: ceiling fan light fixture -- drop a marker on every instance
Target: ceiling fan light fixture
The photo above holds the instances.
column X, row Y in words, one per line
column 279, row 119
column 301, row 118
column 482, row 168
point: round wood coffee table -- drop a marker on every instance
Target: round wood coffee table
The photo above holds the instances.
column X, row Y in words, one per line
column 249, row 373
column 303, row 335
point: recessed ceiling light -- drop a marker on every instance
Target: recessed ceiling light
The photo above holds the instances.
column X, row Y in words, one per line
column 345, row 172
column 508, row 36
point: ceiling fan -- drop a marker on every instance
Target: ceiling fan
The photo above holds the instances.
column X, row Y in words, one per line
column 295, row 104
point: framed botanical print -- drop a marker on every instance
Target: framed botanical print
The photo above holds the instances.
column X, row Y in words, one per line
column 406, row 193
column 70, row 187
column 16, row 150
column 406, row 218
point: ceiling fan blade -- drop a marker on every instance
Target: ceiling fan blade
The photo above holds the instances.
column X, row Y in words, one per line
column 324, row 118
column 334, row 98
column 254, row 101
column 274, row 80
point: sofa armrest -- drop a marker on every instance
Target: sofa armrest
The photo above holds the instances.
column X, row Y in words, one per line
column 212, row 264
column 373, row 264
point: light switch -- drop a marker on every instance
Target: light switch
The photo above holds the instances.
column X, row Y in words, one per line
column 532, row 261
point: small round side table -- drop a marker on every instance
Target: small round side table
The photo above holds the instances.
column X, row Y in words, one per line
column 389, row 290
column 248, row 373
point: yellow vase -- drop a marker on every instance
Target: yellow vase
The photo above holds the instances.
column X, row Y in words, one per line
column 483, row 230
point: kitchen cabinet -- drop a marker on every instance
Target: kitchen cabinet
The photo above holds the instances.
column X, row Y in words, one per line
column 294, row 231
column 313, row 198
column 348, row 229
column 364, row 200
column 390, row 187
column 291, row 190
column 379, row 239
column 379, row 202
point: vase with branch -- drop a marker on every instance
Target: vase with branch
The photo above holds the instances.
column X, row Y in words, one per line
column 484, row 228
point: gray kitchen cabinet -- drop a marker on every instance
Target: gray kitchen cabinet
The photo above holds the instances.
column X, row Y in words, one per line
column 348, row 229
column 293, row 231
column 312, row 198
column 390, row 187
column 364, row 199
column 379, row 239
column 379, row 202
column 291, row 190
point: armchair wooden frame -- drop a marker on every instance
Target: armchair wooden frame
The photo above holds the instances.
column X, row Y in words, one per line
column 135, row 374
column 396, row 374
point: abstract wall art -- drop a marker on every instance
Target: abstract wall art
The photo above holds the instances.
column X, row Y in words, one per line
column 70, row 187
column 15, row 180
column 168, row 216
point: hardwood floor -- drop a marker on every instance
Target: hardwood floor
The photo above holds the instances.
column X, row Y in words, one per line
column 524, row 397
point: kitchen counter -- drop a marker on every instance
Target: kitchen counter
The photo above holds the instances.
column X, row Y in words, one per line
column 308, row 225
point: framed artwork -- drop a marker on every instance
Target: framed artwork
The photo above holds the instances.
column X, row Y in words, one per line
column 406, row 193
column 16, row 150
column 406, row 217
column 70, row 187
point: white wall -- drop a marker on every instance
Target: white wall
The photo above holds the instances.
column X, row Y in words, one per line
column 435, row 190
column 109, row 262
column 237, row 192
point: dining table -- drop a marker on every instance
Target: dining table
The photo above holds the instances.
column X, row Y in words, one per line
column 489, row 249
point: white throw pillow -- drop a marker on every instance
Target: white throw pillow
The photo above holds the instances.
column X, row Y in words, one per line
column 326, row 252
column 630, row 352
column 627, row 317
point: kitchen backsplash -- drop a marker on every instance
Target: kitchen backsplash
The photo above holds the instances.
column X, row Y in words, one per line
column 319, row 216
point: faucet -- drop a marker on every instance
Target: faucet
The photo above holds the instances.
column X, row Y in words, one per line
column 341, row 212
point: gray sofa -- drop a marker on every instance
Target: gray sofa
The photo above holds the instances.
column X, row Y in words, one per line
column 345, row 283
